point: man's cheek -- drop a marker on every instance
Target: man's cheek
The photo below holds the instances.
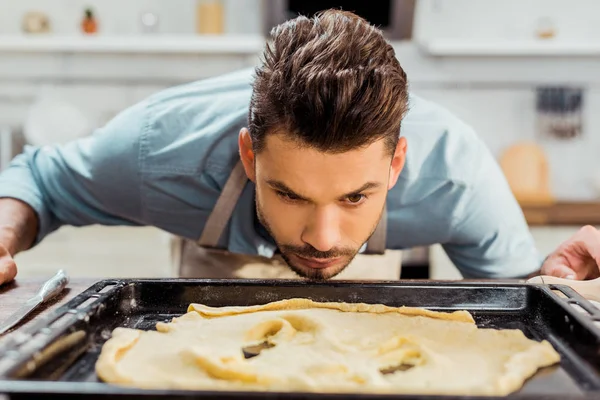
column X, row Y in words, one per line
column 286, row 222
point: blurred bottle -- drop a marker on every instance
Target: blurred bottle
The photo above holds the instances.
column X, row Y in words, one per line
column 210, row 17
column 89, row 25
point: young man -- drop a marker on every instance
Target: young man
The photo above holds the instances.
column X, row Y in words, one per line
column 320, row 155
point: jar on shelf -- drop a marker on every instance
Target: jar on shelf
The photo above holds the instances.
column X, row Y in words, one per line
column 210, row 17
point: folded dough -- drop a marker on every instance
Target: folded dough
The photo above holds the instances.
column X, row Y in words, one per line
column 302, row 345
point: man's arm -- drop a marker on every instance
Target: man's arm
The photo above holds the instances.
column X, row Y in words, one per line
column 93, row 180
column 18, row 225
column 490, row 237
column 18, row 228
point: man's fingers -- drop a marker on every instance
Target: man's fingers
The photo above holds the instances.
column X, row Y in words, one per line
column 560, row 270
column 8, row 269
column 590, row 239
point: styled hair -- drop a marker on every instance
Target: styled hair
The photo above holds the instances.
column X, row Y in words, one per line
column 331, row 82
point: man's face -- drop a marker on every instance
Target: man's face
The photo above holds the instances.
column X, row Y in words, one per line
column 320, row 208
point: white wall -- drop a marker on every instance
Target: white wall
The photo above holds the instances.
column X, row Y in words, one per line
column 506, row 19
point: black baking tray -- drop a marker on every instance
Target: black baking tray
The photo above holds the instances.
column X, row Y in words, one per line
column 55, row 357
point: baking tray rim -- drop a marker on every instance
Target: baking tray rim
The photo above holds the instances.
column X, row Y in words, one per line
column 11, row 386
column 98, row 388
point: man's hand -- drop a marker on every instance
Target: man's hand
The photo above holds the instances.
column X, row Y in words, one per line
column 18, row 227
column 8, row 268
column 576, row 258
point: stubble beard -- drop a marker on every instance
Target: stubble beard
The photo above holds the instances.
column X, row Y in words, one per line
column 308, row 251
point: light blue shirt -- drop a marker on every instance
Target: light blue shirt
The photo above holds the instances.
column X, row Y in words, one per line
column 163, row 162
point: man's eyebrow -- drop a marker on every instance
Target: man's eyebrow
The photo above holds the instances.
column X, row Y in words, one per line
column 282, row 187
column 366, row 186
column 278, row 185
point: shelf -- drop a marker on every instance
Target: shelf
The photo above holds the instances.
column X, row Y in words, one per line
column 563, row 213
column 510, row 48
column 149, row 44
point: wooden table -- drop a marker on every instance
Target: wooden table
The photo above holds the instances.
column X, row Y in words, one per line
column 562, row 213
column 14, row 294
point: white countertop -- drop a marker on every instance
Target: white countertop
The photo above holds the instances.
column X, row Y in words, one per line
column 510, row 48
column 253, row 44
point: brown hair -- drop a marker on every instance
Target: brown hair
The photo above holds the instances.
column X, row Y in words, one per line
column 331, row 82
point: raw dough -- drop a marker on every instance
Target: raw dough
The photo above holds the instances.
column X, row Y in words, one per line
column 324, row 347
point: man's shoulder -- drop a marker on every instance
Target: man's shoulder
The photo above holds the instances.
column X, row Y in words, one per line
column 223, row 84
column 441, row 146
column 197, row 123
column 201, row 101
column 443, row 170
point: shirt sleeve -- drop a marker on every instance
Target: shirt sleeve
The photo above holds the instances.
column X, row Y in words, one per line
column 92, row 180
column 490, row 237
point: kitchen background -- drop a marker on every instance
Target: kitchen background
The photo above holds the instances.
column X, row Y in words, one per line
column 523, row 73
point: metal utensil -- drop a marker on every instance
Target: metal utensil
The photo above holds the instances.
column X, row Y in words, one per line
column 50, row 289
column 560, row 111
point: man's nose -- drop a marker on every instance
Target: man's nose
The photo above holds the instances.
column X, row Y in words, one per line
column 323, row 229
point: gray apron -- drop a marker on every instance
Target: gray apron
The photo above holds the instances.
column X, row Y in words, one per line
column 203, row 259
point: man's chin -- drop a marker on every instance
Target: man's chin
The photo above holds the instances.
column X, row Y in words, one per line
column 313, row 271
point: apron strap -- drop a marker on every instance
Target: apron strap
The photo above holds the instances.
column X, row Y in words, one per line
column 377, row 242
column 221, row 213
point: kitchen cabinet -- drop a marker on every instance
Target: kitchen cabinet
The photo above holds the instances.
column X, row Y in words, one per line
column 169, row 59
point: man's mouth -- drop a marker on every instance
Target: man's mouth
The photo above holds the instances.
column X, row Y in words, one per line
column 318, row 263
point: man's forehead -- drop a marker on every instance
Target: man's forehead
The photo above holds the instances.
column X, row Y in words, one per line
column 281, row 146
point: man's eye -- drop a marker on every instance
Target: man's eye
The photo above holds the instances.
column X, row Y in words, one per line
column 355, row 199
column 287, row 196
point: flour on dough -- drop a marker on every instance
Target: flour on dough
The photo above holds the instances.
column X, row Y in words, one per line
column 301, row 345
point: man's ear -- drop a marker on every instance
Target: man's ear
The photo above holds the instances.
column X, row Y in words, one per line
column 398, row 161
column 246, row 153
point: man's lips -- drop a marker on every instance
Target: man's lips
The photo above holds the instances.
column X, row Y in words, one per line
column 318, row 263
